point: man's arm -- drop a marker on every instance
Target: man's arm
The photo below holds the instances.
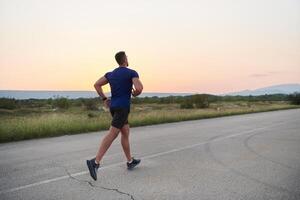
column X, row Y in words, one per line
column 138, row 86
column 98, row 86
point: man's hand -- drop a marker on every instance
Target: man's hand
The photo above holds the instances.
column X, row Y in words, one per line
column 135, row 93
column 106, row 103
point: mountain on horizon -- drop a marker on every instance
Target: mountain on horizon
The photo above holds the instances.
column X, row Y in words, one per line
column 45, row 94
column 274, row 89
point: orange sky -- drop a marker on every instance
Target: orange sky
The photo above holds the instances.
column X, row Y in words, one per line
column 212, row 46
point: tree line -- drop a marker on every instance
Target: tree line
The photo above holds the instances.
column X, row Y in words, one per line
column 190, row 101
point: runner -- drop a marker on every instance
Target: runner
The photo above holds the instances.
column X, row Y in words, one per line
column 121, row 80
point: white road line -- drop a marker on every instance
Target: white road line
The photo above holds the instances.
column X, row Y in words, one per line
column 144, row 157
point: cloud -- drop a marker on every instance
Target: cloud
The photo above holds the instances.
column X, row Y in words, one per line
column 260, row 75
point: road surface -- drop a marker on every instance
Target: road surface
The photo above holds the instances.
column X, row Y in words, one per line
column 253, row 156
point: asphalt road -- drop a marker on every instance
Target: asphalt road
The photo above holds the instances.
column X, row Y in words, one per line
column 253, row 156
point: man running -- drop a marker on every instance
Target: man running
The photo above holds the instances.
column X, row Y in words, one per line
column 120, row 80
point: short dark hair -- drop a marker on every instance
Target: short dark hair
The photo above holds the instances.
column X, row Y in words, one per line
column 120, row 57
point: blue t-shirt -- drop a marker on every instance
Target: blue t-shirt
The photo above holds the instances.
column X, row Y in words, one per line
column 120, row 81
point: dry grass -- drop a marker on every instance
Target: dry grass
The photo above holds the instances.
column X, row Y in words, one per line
column 37, row 125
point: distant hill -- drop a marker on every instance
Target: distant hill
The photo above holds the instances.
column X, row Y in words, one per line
column 43, row 94
column 275, row 89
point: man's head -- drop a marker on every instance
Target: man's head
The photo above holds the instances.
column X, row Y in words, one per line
column 121, row 58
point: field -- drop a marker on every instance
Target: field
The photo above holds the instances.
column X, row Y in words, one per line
column 27, row 123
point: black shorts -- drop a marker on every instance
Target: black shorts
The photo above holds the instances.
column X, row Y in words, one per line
column 120, row 116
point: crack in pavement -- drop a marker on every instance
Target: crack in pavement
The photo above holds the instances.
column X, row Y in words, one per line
column 102, row 187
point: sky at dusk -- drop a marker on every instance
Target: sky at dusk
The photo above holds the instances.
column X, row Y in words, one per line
column 213, row 46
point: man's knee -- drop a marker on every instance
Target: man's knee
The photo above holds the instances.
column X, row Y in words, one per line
column 114, row 132
column 125, row 130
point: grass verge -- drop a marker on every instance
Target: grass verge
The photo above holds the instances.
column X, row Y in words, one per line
column 14, row 128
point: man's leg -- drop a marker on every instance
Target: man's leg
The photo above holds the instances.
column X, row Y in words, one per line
column 106, row 142
column 131, row 162
column 125, row 141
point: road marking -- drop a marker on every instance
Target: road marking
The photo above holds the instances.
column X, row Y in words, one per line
column 144, row 157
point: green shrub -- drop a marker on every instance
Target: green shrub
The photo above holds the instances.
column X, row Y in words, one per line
column 61, row 102
column 200, row 101
column 91, row 115
column 295, row 98
column 8, row 103
column 77, row 102
column 90, row 104
column 186, row 105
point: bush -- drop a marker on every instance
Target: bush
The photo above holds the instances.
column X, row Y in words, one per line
column 295, row 98
column 77, row 102
column 92, row 115
column 61, row 102
column 200, row 101
column 90, row 104
column 50, row 101
column 8, row 103
column 186, row 105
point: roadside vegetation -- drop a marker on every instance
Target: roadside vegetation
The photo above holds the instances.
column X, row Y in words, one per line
column 37, row 118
